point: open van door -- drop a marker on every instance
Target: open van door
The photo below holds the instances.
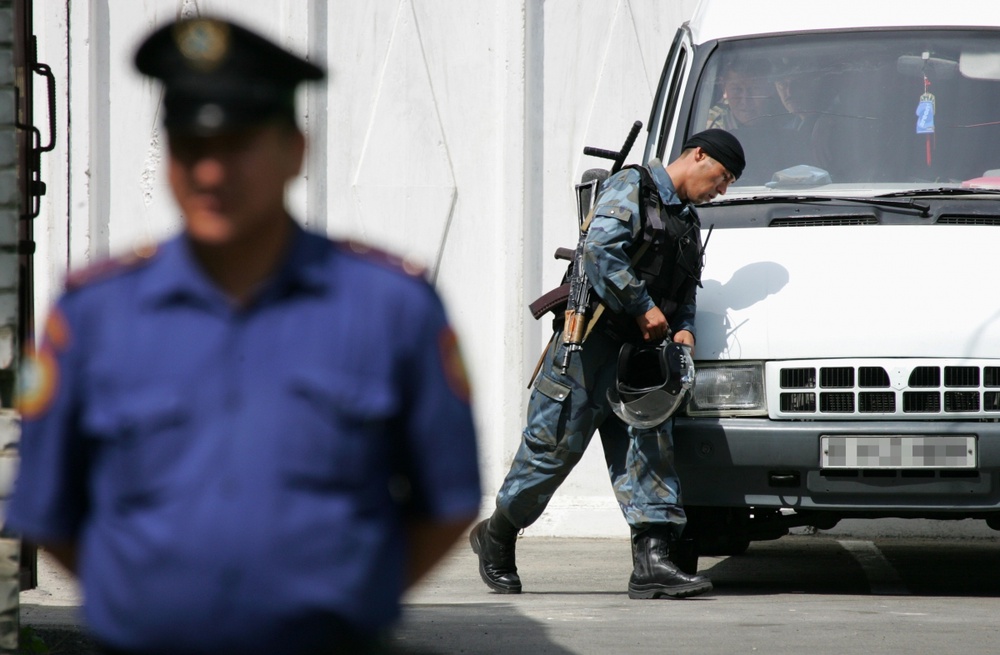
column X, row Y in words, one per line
column 673, row 83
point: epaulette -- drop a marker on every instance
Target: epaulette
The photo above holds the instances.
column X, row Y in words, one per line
column 110, row 267
column 405, row 265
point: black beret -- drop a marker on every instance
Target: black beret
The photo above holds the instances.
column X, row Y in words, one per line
column 218, row 75
column 721, row 146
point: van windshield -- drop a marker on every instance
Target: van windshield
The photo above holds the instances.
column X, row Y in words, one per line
column 866, row 111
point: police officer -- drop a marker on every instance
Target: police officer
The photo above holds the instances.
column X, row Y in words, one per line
column 249, row 439
column 643, row 257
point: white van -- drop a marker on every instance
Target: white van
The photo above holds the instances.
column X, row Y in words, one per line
column 848, row 353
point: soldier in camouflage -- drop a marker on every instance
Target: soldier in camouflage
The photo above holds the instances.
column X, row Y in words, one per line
column 643, row 258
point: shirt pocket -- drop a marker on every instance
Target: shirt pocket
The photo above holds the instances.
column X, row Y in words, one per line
column 341, row 430
column 143, row 437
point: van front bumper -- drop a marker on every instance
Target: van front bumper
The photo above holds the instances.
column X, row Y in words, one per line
column 758, row 462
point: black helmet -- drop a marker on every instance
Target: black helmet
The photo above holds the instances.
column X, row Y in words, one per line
column 651, row 383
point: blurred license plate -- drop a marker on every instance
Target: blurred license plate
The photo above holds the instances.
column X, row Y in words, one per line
column 899, row 452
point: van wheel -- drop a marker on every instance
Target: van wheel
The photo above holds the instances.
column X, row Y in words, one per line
column 734, row 546
column 718, row 531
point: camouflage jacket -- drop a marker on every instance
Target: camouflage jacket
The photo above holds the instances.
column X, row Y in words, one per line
column 721, row 117
column 615, row 232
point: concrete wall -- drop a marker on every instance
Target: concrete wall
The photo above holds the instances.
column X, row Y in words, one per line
column 451, row 131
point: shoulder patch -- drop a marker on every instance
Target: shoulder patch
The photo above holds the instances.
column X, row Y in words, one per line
column 405, row 265
column 37, row 383
column 110, row 267
column 38, row 379
column 613, row 211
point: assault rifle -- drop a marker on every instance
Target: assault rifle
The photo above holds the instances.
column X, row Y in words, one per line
column 574, row 331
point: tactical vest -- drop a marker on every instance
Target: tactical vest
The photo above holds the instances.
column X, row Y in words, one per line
column 670, row 260
column 670, row 257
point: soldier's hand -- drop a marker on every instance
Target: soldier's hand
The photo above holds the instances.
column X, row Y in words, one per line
column 685, row 337
column 653, row 325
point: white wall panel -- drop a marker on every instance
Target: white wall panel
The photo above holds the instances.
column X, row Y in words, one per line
column 602, row 64
column 450, row 131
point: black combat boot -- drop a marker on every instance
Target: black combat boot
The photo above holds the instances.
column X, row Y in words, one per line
column 493, row 540
column 654, row 575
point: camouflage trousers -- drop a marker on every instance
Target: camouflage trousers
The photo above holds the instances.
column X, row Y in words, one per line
column 564, row 411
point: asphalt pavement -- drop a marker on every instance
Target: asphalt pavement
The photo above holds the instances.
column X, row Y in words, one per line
column 831, row 592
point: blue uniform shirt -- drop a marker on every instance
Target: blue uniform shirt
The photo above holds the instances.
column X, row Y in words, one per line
column 236, row 476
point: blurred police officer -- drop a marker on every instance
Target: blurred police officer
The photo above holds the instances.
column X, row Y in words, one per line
column 249, row 439
column 643, row 257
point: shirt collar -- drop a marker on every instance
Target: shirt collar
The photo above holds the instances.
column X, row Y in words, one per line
column 664, row 185
column 175, row 274
column 305, row 266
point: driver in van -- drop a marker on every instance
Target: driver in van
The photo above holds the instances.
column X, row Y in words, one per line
column 749, row 98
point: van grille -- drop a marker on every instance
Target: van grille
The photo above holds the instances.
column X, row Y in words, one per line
column 885, row 389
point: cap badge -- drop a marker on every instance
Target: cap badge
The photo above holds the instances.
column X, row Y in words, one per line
column 202, row 42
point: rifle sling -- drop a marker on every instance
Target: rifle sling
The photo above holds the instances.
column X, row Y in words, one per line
column 599, row 310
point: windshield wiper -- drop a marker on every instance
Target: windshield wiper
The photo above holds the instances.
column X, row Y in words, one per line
column 880, row 201
column 940, row 191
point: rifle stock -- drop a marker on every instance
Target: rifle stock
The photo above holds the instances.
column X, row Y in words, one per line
column 618, row 156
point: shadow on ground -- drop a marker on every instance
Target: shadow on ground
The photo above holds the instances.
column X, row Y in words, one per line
column 56, row 640
column 479, row 628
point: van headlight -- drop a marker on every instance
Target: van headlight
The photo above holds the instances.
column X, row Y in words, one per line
column 722, row 389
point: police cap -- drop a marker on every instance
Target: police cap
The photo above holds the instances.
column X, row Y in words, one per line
column 218, row 75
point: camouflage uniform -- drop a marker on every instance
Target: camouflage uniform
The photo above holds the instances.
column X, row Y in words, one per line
column 721, row 117
column 566, row 409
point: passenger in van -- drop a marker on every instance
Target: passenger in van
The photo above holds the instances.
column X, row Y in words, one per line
column 809, row 97
column 749, row 98
column 649, row 293
column 779, row 129
column 805, row 95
